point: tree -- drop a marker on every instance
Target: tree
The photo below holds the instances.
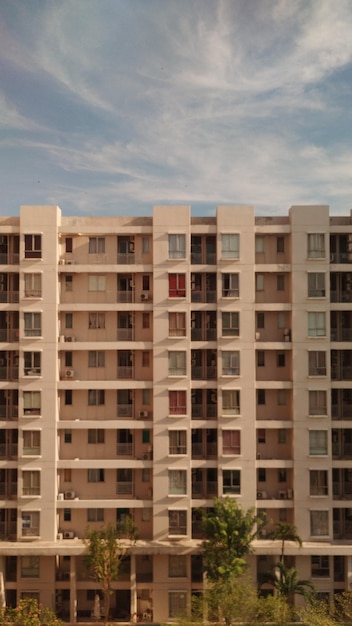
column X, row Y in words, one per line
column 29, row 613
column 285, row 532
column 287, row 584
column 232, row 598
column 229, row 533
column 318, row 613
column 106, row 549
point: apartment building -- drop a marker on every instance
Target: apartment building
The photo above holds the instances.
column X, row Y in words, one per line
column 150, row 364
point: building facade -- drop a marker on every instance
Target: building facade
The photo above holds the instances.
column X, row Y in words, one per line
column 148, row 365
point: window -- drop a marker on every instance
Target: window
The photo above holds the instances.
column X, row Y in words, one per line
column 68, row 282
column 316, row 246
column 281, row 476
column 177, row 566
column 96, row 245
column 261, row 435
column 259, row 244
column 177, row 285
column 280, row 282
column 96, row 435
column 68, row 244
column 260, row 358
column 146, row 435
column 177, row 522
column 67, row 475
column 231, row 481
column 146, row 475
column 230, row 246
column 319, row 523
column 230, row 363
column 145, row 282
column 32, row 285
column 96, row 320
column 259, row 282
column 145, row 358
column 281, row 319
column 31, row 442
column 177, row 482
column 260, row 316
column 32, row 246
column 96, row 397
column 32, row 402
column 69, row 320
column 96, row 358
column 316, row 324
column 30, row 566
column 32, row 363
column 145, row 245
column 316, row 285
column 146, row 397
column 317, row 402
column 96, row 475
column 68, row 359
column 67, row 435
column 281, row 359
column 177, row 442
column 177, row 603
column 32, row 324
column 145, row 320
column 67, row 515
column 177, row 324
column 261, row 475
column 177, row 402
column 230, row 285
column 95, row 515
column 261, row 396
column 230, row 324
column 280, row 244
column 124, row 479
column 231, row 442
column 68, row 396
column 231, row 402
column 320, row 566
column 318, row 442
column 177, row 363
column 31, row 483
column 177, row 246
column 281, row 397
column 96, row 282
column 316, row 363
column 318, row 481
column 282, row 436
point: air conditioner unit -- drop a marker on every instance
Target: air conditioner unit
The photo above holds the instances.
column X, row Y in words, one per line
column 143, row 413
column 59, row 536
column 144, row 296
column 70, row 338
column 69, row 262
column 69, row 534
column 69, row 495
column 283, row 494
column 261, row 495
column 60, row 496
column 69, row 373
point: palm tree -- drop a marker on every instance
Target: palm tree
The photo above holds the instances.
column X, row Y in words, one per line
column 285, row 532
column 287, row 584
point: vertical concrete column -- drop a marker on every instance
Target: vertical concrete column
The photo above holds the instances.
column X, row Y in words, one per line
column 133, row 582
column 73, row 590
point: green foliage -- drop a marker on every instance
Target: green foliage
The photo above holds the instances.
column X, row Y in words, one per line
column 287, row 584
column 29, row 613
column 343, row 606
column 229, row 532
column 106, row 549
column 285, row 532
column 318, row 613
column 274, row 609
column 232, row 598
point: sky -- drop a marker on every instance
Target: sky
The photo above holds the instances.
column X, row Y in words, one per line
column 108, row 107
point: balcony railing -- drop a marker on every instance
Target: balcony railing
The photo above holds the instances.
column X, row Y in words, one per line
column 203, row 296
column 127, row 258
column 340, row 257
column 8, row 373
column 125, row 296
column 124, row 449
column 9, row 259
column 125, row 371
column 8, row 412
column 341, row 334
column 9, row 297
column 125, row 488
column 8, row 530
column 125, row 334
column 200, row 372
column 200, row 490
column 202, row 411
column 341, row 411
column 7, row 334
column 125, row 410
column 203, row 334
column 342, row 450
column 8, row 450
column 341, row 372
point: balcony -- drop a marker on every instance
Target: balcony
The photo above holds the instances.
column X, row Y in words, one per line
column 9, row 297
column 203, row 250
column 203, row 365
column 8, row 373
column 341, row 364
column 203, row 287
column 9, row 334
column 201, row 490
column 8, row 451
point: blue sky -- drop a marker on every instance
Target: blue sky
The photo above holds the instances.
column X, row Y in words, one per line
column 108, row 107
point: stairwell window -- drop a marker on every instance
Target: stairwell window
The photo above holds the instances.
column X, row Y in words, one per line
column 32, row 246
column 177, row 285
column 316, row 246
column 230, row 246
column 316, row 324
column 177, row 246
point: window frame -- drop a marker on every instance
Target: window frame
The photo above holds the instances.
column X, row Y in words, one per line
column 177, row 246
column 230, row 246
column 177, row 285
column 316, row 248
column 234, row 478
column 230, row 363
column 230, row 285
column 232, row 329
column 316, row 324
column 33, row 246
column 32, row 324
